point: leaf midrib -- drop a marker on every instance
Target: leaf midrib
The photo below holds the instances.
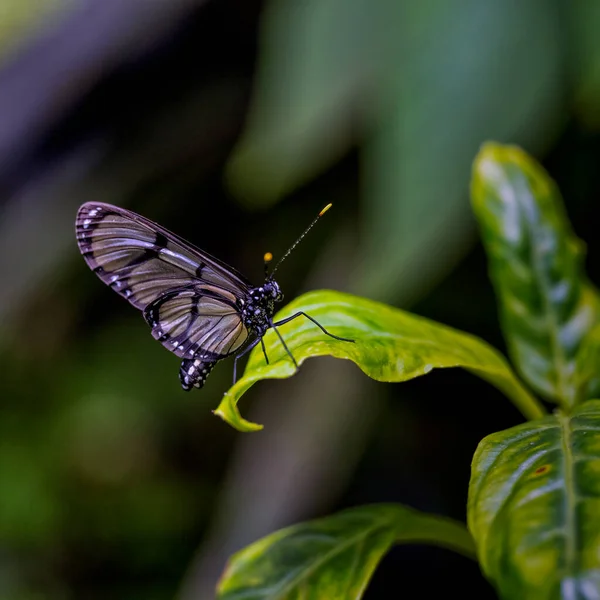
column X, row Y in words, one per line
column 558, row 358
column 570, row 500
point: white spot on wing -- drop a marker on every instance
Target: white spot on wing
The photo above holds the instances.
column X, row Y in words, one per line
column 87, row 223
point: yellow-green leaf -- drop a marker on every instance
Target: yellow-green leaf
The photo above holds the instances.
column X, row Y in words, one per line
column 389, row 345
column 547, row 305
column 534, row 506
column 333, row 557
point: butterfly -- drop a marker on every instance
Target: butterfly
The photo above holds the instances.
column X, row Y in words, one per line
column 198, row 307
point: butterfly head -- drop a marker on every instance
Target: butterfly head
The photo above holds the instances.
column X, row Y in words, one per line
column 271, row 287
column 272, row 290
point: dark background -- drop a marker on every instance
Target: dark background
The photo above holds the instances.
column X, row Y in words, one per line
column 232, row 122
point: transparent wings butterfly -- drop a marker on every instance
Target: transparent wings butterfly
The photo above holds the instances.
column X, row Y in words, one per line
column 198, row 307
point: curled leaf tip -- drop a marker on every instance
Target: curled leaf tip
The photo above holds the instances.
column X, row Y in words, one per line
column 228, row 411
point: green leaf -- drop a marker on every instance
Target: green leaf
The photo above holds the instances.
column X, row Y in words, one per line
column 534, row 506
column 588, row 366
column 546, row 303
column 390, row 345
column 333, row 557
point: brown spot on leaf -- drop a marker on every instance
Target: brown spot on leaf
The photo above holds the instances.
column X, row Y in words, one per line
column 541, row 470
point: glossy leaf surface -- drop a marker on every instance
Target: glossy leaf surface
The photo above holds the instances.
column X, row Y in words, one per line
column 547, row 305
column 390, row 345
column 588, row 366
column 534, row 506
column 333, row 557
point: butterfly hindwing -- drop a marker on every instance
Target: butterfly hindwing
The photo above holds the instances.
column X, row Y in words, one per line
column 187, row 321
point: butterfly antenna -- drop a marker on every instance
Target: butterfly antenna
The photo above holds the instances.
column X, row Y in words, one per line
column 268, row 258
column 323, row 211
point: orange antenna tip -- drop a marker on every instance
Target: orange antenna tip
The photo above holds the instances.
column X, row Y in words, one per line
column 268, row 257
column 325, row 209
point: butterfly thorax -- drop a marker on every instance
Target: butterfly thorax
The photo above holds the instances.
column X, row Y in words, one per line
column 258, row 307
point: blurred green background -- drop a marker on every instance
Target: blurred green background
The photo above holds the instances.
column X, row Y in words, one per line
column 232, row 122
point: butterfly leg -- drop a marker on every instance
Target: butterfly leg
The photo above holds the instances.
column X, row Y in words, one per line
column 285, row 346
column 262, row 343
column 242, row 353
column 303, row 314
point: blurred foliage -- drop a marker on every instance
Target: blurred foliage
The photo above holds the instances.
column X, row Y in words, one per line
column 20, row 20
column 109, row 474
column 585, row 55
column 396, row 75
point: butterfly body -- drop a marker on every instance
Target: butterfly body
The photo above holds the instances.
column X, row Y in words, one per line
column 198, row 307
column 194, row 371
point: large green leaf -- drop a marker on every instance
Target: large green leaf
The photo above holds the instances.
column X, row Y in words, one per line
column 534, row 506
column 333, row 557
column 547, row 305
column 390, row 345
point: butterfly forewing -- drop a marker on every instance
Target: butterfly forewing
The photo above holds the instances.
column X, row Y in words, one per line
column 188, row 297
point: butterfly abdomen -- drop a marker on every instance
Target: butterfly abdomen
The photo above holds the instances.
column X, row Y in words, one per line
column 194, row 371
